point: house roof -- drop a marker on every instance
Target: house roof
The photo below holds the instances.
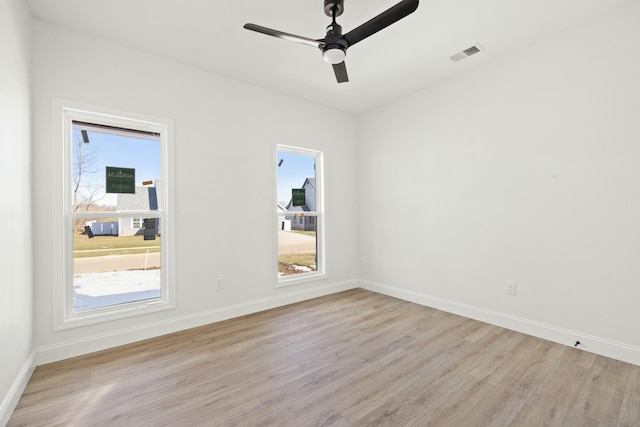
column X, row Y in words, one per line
column 305, row 208
column 295, row 209
column 311, row 181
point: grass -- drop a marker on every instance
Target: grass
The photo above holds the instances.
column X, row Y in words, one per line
column 287, row 263
column 306, row 259
column 113, row 245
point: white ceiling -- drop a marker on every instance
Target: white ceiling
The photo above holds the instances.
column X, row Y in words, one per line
column 406, row 56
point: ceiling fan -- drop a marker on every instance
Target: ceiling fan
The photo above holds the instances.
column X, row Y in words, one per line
column 335, row 44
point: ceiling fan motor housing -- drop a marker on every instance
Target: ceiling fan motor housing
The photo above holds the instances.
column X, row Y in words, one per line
column 329, row 5
column 335, row 47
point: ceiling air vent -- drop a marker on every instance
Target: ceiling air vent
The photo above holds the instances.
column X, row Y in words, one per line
column 467, row 52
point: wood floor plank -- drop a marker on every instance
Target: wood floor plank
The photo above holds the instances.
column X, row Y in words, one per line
column 400, row 376
column 452, row 388
column 349, row 359
column 453, row 407
column 601, row 396
column 516, row 381
column 630, row 409
column 390, row 413
column 579, row 419
column 545, row 408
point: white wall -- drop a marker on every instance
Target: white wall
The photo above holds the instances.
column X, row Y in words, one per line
column 527, row 169
column 225, row 137
column 16, row 281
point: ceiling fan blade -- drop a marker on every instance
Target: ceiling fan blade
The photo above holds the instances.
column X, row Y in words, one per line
column 386, row 18
column 284, row 36
column 340, row 71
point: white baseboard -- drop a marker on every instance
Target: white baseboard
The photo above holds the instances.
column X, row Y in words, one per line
column 65, row 350
column 94, row 343
column 10, row 401
column 602, row 346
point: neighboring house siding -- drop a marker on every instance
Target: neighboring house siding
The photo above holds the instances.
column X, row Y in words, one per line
column 298, row 220
column 144, row 199
column 310, row 193
column 104, row 228
column 126, row 227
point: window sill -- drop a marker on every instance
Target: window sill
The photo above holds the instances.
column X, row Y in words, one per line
column 282, row 282
column 111, row 313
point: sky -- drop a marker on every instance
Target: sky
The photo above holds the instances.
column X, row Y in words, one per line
column 143, row 155
column 295, row 168
column 105, row 149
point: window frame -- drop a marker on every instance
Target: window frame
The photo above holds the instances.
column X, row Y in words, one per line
column 319, row 214
column 64, row 113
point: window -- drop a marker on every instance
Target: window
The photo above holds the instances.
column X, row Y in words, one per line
column 300, row 225
column 115, row 223
column 137, row 223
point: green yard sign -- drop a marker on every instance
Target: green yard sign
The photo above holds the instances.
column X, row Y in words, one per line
column 297, row 197
column 121, row 180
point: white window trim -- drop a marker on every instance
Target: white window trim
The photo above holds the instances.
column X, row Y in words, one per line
column 63, row 113
column 320, row 214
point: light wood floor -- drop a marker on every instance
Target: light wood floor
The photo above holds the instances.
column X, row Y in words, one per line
column 349, row 359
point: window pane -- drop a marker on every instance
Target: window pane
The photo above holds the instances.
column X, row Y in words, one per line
column 115, row 260
column 297, row 210
column 297, row 181
column 111, row 269
column 296, row 249
column 110, row 167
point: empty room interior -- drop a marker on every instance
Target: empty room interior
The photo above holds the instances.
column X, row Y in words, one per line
column 210, row 222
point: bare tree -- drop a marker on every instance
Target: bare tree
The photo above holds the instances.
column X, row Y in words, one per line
column 85, row 191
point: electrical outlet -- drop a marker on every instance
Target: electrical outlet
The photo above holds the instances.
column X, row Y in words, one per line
column 220, row 283
column 510, row 288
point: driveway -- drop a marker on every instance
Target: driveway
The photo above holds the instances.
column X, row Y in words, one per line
column 102, row 264
column 298, row 243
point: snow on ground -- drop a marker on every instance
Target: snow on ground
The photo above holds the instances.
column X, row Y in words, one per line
column 95, row 290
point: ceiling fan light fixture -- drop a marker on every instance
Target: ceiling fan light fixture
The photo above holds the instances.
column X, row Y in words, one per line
column 334, row 55
column 335, row 44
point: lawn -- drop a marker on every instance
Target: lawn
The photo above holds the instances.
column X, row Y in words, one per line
column 112, row 245
column 287, row 263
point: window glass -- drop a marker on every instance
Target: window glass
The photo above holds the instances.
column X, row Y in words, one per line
column 299, row 213
column 116, row 257
column 110, row 268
